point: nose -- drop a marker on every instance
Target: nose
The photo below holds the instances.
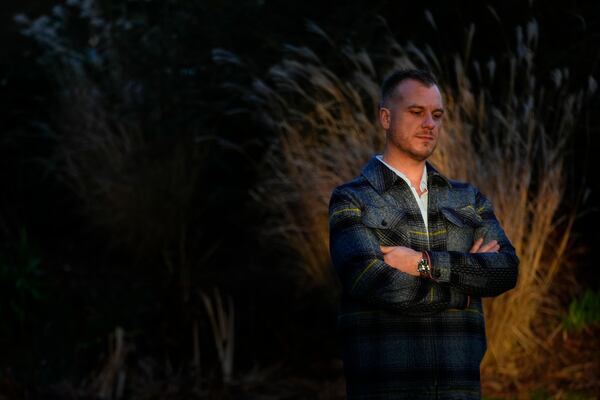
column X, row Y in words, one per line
column 428, row 122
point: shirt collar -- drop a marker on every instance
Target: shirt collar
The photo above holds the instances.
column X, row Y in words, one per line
column 382, row 177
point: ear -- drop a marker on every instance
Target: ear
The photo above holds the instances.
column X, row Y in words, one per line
column 385, row 117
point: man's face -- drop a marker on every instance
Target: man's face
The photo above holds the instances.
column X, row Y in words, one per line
column 412, row 119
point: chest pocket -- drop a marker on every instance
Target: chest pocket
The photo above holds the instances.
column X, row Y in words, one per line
column 388, row 224
column 461, row 223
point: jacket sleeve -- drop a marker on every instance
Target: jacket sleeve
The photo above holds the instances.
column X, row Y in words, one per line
column 479, row 274
column 360, row 266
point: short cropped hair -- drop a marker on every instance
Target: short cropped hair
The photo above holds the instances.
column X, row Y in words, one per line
column 389, row 84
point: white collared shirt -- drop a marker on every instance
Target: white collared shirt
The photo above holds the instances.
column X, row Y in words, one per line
column 421, row 200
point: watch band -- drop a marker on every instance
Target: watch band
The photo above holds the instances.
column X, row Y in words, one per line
column 423, row 266
column 426, row 254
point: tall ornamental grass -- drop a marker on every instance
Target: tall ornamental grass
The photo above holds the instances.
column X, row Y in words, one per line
column 505, row 130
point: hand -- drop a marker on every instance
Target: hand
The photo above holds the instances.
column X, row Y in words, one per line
column 490, row 247
column 402, row 258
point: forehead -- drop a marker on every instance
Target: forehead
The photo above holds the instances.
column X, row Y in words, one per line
column 411, row 92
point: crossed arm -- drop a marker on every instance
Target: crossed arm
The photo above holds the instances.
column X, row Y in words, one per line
column 382, row 276
column 405, row 259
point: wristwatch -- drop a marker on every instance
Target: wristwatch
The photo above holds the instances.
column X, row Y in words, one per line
column 423, row 266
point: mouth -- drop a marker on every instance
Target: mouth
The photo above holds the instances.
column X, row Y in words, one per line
column 425, row 137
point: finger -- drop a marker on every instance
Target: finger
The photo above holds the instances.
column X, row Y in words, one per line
column 476, row 245
column 493, row 249
column 488, row 246
column 386, row 249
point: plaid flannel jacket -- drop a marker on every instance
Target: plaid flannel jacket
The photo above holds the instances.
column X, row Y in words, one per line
column 403, row 336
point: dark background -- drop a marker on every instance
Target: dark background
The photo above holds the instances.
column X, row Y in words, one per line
column 89, row 282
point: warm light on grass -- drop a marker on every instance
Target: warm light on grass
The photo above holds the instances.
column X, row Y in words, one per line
column 509, row 143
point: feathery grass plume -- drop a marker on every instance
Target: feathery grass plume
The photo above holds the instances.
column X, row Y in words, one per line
column 518, row 163
column 509, row 142
column 328, row 131
column 109, row 382
column 222, row 324
column 136, row 181
column 124, row 177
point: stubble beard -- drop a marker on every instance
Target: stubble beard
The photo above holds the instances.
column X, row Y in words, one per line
column 404, row 148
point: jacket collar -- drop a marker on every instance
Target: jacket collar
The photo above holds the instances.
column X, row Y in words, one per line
column 382, row 178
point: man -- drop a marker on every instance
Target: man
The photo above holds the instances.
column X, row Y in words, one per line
column 415, row 252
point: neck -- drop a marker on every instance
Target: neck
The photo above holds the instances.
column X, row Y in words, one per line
column 410, row 167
